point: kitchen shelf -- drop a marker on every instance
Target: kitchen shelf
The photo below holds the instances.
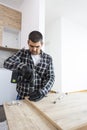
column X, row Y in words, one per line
column 8, row 49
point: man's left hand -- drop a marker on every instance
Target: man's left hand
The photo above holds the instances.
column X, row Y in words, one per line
column 36, row 96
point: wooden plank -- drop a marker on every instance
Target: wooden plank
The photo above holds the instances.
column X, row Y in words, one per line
column 81, row 127
column 43, row 114
column 8, row 49
column 69, row 112
column 23, row 116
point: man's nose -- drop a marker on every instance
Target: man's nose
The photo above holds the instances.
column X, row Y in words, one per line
column 34, row 48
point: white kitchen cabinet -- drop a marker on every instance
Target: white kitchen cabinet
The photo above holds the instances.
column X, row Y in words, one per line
column 11, row 38
column 7, row 89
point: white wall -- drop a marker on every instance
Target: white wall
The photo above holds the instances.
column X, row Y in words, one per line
column 53, row 47
column 67, row 43
column 74, row 56
column 33, row 16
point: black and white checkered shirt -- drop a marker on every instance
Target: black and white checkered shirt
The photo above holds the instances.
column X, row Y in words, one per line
column 43, row 71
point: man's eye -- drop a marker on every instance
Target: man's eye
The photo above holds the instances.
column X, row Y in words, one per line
column 37, row 47
column 34, row 46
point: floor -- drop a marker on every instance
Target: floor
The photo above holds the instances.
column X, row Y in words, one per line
column 2, row 114
column 3, row 121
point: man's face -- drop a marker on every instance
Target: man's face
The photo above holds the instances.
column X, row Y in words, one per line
column 34, row 47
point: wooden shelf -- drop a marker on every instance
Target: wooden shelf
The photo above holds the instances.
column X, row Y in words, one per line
column 8, row 49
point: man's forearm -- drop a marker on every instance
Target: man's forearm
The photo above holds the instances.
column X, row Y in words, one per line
column 48, row 85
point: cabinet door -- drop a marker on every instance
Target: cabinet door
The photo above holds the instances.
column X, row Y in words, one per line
column 11, row 38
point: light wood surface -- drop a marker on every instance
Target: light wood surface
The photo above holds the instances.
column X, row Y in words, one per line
column 69, row 111
column 56, row 111
column 44, row 115
column 23, row 116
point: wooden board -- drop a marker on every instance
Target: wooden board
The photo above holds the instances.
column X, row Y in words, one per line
column 21, row 115
column 69, row 112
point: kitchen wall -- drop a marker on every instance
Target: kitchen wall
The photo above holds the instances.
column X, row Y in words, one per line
column 53, row 47
column 67, row 43
column 33, row 18
column 70, row 38
column 74, row 55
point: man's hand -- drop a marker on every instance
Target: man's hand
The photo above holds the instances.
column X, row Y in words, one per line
column 36, row 96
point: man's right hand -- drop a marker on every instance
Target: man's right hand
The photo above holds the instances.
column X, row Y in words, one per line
column 36, row 96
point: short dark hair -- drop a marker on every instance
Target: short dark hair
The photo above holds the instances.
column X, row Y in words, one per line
column 35, row 36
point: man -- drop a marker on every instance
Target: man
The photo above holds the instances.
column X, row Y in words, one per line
column 39, row 62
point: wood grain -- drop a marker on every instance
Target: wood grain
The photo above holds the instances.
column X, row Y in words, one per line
column 25, row 117
column 44, row 115
column 69, row 112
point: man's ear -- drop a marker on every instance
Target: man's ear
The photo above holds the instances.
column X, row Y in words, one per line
column 28, row 42
column 41, row 43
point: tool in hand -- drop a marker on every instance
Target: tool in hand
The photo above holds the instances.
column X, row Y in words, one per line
column 24, row 75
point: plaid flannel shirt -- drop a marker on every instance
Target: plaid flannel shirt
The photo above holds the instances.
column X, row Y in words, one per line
column 43, row 71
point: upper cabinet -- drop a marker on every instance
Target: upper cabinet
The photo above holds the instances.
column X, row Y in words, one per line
column 10, row 27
